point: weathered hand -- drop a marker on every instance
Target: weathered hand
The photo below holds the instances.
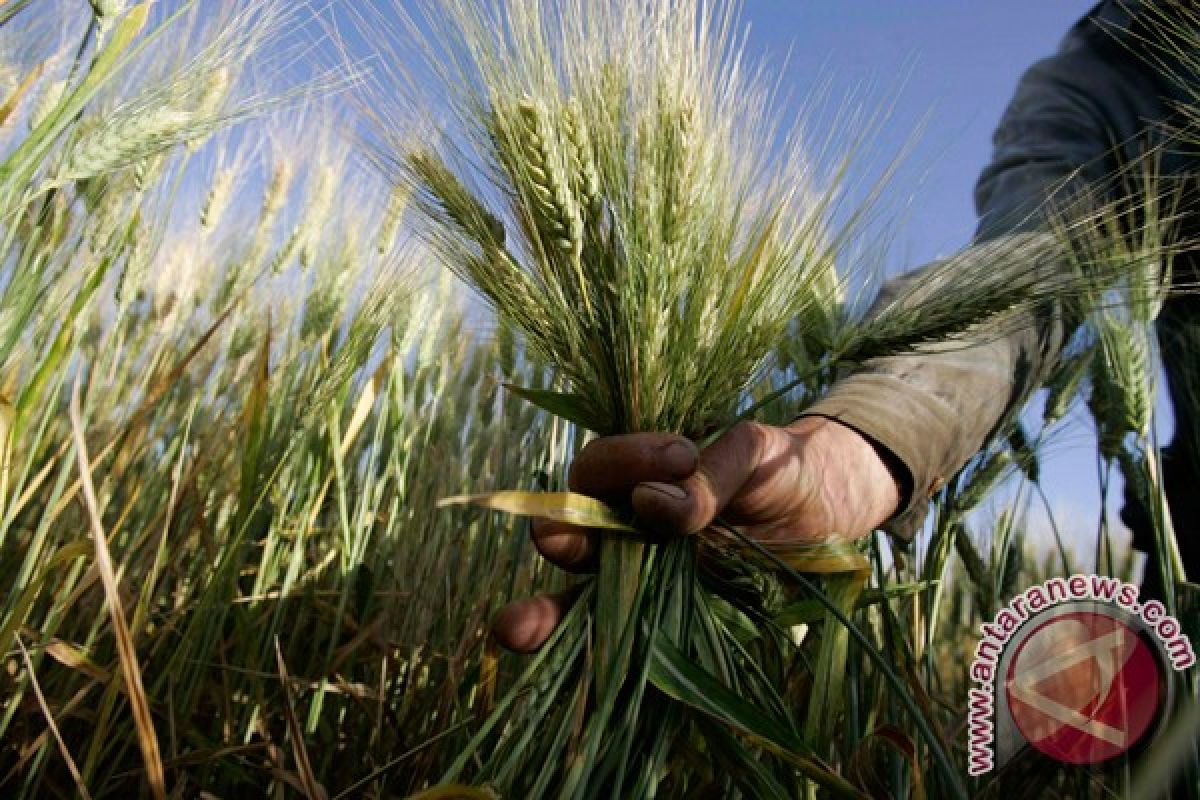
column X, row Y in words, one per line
column 802, row 483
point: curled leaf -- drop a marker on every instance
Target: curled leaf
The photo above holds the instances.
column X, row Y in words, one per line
column 569, row 507
column 830, row 557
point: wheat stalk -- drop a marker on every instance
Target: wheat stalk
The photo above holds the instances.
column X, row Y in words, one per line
column 219, row 195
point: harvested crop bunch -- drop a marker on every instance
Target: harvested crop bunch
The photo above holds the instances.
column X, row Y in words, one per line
column 648, row 228
column 643, row 234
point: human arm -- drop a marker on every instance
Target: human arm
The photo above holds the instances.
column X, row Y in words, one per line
column 1074, row 119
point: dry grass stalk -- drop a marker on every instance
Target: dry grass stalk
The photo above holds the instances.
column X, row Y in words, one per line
column 80, row 786
column 126, row 652
column 313, row 790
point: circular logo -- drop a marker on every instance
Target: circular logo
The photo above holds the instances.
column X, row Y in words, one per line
column 1084, row 687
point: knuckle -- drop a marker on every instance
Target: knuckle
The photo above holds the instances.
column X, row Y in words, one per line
column 702, row 502
column 752, row 435
column 577, row 471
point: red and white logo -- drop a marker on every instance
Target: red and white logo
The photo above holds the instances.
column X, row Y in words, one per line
column 1084, row 687
column 1077, row 668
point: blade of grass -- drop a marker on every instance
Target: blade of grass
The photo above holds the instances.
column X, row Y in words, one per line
column 313, row 790
column 127, row 654
column 62, row 746
column 939, row 755
column 674, row 674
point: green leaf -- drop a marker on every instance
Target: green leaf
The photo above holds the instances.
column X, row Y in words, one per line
column 739, row 626
column 729, row 755
column 825, row 701
column 804, row 612
column 809, row 610
column 565, row 405
column 674, row 674
column 677, row 676
column 576, row 509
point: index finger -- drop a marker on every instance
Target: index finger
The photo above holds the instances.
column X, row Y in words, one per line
column 615, row 464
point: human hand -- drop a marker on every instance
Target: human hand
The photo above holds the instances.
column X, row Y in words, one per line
column 800, row 483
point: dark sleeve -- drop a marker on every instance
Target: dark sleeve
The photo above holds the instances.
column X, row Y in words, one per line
column 933, row 410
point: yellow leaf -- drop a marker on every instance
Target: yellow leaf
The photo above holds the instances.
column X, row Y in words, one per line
column 10, row 104
column 362, row 410
column 569, row 507
column 824, row 558
column 74, row 658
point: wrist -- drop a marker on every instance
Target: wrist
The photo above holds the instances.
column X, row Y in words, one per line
column 875, row 483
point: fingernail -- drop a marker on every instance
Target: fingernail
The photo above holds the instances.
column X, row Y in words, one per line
column 669, row 489
column 679, row 458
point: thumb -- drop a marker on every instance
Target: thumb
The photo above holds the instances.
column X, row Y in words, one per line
column 724, row 468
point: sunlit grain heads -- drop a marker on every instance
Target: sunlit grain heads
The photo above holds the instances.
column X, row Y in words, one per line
column 48, row 100
column 603, row 182
column 211, row 103
column 132, row 278
column 542, row 169
column 216, row 90
column 276, row 192
column 320, row 310
column 218, row 198
column 316, row 214
column 1120, row 400
column 164, row 385
column 393, row 215
column 626, row 162
column 583, row 159
column 124, row 140
column 287, row 251
column 107, row 10
column 457, row 202
column 677, row 132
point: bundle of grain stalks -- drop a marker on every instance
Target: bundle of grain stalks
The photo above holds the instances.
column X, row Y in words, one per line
column 614, row 181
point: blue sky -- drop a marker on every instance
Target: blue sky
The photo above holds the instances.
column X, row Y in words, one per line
column 957, row 62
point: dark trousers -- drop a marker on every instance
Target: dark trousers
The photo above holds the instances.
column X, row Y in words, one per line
column 1183, row 498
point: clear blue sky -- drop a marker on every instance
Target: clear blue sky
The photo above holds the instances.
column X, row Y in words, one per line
column 957, row 62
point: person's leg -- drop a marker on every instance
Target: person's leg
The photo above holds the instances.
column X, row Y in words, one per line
column 1183, row 498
